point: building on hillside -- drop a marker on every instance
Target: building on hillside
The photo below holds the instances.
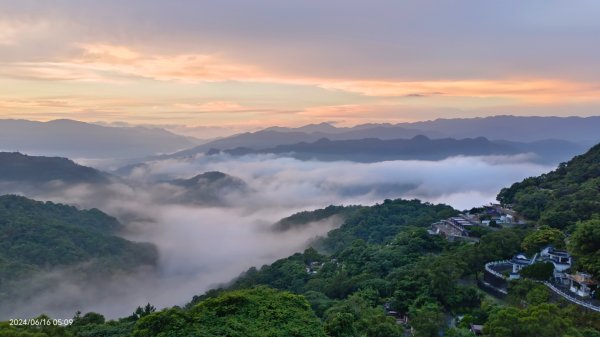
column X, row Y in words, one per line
column 582, row 284
column 519, row 262
column 454, row 227
column 562, row 262
column 476, row 329
column 561, row 259
column 498, row 214
column 448, row 229
column 313, row 267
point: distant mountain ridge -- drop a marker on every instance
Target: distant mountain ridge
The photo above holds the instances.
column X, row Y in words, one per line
column 75, row 139
column 416, row 148
column 20, row 168
column 501, row 127
column 553, row 138
column 516, row 128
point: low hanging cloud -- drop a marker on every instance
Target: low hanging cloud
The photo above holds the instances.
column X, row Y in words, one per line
column 201, row 247
column 288, row 182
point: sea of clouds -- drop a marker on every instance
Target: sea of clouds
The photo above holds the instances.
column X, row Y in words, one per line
column 201, row 247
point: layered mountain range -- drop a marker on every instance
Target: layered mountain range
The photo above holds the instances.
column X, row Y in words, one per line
column 550, row 139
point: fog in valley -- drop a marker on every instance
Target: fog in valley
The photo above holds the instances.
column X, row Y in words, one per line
column 203, row 246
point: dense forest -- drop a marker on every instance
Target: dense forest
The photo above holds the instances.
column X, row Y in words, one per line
column 303, row 218
column 567, row 199
column 562, row 197
column 382, row 274
column 41, row 236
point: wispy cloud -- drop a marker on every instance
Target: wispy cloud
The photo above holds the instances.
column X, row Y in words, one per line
column 115, row 63
column 213, row 106
column 535, row 61
column 527, row 89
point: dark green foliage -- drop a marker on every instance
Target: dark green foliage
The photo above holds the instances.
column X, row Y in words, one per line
column 302, row 218
column 546, row 320
column 17, row 167
column 562, row 197
column 584, row 244
column 89, row 318
column 544, row 236
column 380, row 223
column 93, row 325
column 526, row 292
column 427, row 320
column 141, row 312
column 245, row 313
column 121, row 328
column 538, row 271
column 173, row 322
column 498, row 245
column 360, row 315
column 37, row 236
column 478, row 231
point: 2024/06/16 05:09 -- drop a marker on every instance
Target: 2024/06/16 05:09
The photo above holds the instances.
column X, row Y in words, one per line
column 41, row 321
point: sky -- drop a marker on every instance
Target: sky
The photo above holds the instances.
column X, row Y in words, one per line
column 249, row 64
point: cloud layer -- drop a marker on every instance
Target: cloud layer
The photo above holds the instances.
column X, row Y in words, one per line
column 201, row 247
column 398, row 61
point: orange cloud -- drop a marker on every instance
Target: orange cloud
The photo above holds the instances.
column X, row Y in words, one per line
column 530, row 90
column 108, row 53
column 336, row 111
column 186, row 67
column 216, row 106
column 100, row 62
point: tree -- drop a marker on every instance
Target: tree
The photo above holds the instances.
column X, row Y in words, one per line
column 443, row 272
column 543, row 237
column 427, row 320
column 172, row 322
column 458, row 332
column 89, row 318
column 141, row 312
column 538, row 271
column 546, row 320
column 260, row 311
column 584, row 244
column 526, row 292
column 340, row 324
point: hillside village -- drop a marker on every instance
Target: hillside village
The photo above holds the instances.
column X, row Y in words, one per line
column 551, row 266
column 469, row 225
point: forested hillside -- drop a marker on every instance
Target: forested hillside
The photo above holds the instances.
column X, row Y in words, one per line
column 303, row 218
column 567, row 198
column 382, row 222
column 21, row 168
column 40, row 236
column 562, row 197
column 362, row 287
column 381, row 273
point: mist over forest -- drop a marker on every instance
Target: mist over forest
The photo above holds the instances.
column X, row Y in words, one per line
column 202, row 245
